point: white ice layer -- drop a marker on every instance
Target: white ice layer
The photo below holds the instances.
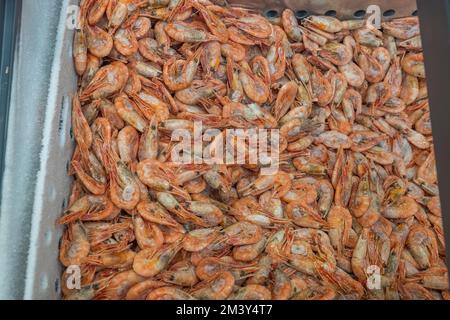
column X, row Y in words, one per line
column 39, row 146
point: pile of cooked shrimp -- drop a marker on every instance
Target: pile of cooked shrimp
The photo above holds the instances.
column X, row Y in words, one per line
column 353, row 211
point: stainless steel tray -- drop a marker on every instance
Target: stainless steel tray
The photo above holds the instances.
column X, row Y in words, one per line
column 343, row 9
column 53, row 183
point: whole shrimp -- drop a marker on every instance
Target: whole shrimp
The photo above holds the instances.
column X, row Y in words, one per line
column 178, row 74
column 185, row 32
column 107, row 81
column 356, row 186
column 75, row 246
column 149, row 262
column 255, row 88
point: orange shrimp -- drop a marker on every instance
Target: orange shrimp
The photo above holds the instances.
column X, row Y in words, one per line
column 215, row 25
column 124, row 189
column 90, row 208
column 185, row 32
column 252, row 292
column 118, row 286
column 99, row 42
column 108, row 80
column 149, row 262
column 304, row 216
column 75, row 246
column 280, row 182
column 148, row 235
column 80, row 52
column 217, row 288
column 125, row 42
column 253, row 24
column 181, row 273
column 168, row 293
column 141, row 290
column 154, row 212
column 178, row 74
column 285, row 99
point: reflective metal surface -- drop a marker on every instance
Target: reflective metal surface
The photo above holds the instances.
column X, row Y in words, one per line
column 343, row 9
